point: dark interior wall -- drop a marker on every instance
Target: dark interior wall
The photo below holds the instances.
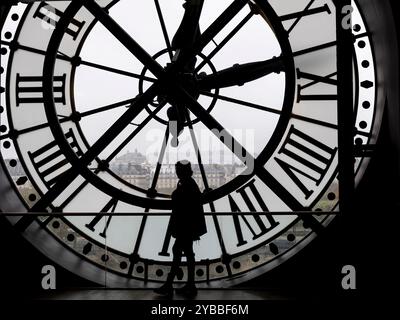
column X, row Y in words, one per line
column 21, row 265
column 395, row 98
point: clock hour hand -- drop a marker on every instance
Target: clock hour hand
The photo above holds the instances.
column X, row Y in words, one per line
column 175, row 124
column 240, row 74
column 189, row 29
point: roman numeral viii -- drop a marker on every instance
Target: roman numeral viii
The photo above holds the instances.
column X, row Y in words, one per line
column 29, row 89
column 50, row 15
column 49, row 161
column 255, row 224
column 303, row 156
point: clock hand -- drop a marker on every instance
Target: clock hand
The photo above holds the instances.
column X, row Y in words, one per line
column 175, row 124
column 187, row 34
column 209, row 34
column 240, row 74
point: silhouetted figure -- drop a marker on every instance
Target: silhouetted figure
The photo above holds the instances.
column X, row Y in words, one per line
column 187, row 224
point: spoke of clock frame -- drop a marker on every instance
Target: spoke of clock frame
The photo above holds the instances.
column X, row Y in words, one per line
column 108, row 107
column 225, row 41
column 164, row 29
column 239, row 102
column 61, row 56
column 123, row 37
column 135, row 254
column 160, row 160
column 117, row 71
column 267, row 109
column 197, row 150
column 13, row 45
column 207, row 188
column 75, row 193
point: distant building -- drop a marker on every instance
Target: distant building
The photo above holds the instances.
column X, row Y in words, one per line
column 134, row 168
column 216, row 176
column 135, row 158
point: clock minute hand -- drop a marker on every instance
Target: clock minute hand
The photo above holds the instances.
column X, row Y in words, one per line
column 240, row 74
column 189, row 29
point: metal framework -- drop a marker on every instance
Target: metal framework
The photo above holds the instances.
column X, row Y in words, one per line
column 345, row 131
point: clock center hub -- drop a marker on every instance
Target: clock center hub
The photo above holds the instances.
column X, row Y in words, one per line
column 188, row 80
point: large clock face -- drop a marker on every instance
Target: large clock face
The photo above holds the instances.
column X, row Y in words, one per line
column 100, row 99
